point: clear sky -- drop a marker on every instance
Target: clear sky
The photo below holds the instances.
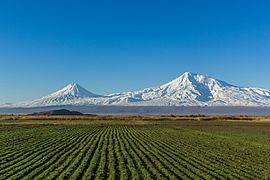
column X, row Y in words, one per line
column 114, row 46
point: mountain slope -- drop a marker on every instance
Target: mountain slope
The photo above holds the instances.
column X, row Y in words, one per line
column 189, row 89
column 68, row 95
column 194, row 89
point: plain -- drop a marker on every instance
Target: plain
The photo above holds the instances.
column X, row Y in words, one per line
column 134, row 148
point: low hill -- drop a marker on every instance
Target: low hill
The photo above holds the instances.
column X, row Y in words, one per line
column 59, row 112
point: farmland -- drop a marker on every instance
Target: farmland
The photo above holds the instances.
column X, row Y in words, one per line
column 134, row 149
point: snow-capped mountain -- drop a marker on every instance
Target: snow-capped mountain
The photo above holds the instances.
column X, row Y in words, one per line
column 194, row 89
column 68, row 95
column 189, row 89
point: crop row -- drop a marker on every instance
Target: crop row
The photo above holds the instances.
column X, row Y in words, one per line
column 117, row 152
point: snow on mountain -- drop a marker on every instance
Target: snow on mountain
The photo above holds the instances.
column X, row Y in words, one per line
column 198, row 90
column 68, row 95
column 189, row 89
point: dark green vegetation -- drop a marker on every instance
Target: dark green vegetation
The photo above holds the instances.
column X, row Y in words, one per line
column 92, row 149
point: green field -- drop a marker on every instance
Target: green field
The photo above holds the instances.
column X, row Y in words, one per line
column 83, row 149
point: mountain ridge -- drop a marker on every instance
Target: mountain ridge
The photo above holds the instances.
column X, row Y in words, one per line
column 189, row 89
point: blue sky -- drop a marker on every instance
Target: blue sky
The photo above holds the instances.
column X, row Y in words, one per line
column 114, row 46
